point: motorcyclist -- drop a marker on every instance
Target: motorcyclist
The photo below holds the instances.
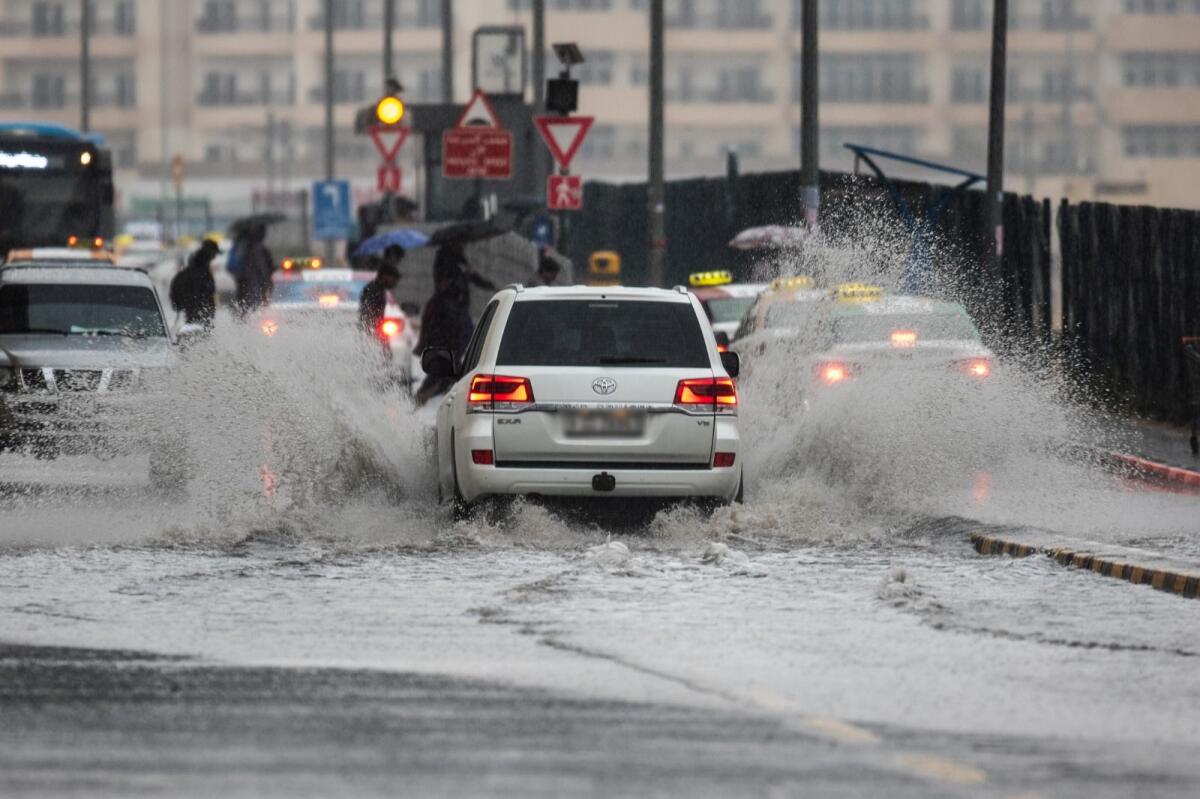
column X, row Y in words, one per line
column 443, row 323
column 193, row 290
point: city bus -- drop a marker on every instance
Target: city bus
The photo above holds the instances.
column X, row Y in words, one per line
column 55, row 183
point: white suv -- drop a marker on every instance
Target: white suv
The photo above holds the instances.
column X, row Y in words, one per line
column 589, row 392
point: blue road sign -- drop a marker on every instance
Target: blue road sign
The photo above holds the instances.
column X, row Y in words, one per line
column 541, row 231
column 331, row 209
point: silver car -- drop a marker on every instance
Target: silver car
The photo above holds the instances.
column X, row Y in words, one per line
column 82, row 348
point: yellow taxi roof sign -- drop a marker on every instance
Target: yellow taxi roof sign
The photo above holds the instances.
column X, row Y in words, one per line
column 792, row 283
column 857, row 292
column 717, row 277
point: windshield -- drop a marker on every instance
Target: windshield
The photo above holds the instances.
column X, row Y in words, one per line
column 880, row 327
column 728, row 309
column 46, row 195
column 80, row 310
column 325, row 293
column 603, row 332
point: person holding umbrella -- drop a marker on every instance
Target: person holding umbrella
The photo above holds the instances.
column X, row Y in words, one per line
column 257, row 264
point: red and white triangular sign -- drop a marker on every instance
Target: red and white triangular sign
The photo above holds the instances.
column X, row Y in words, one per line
column 479, row 113
column 388, row 141
column 563, row 135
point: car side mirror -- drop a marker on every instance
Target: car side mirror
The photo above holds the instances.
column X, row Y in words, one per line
column 732, row 363
column 438, row 362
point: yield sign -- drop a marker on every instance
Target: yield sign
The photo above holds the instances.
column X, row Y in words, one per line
column 563, row 135
column 478, row 113
column 388, row 140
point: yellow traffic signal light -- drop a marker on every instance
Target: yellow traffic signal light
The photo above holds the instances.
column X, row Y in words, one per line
column 389, row 110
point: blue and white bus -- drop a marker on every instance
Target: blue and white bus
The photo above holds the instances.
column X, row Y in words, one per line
column 55, row 183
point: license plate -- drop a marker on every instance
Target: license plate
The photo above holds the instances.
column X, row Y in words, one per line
column 604, row 424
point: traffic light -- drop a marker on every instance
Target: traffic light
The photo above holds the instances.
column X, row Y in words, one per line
column 389, row 110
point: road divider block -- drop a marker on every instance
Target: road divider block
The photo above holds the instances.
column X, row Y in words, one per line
column 1133, row 565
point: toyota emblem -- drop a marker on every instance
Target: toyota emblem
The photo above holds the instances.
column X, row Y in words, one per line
column 604, row 385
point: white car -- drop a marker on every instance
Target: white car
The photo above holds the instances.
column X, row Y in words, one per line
column 589, row 392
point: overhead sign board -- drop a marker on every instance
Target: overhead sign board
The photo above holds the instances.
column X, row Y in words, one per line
column 564, row 135
column 331, row 209
column 564, row 192
column 478, row 146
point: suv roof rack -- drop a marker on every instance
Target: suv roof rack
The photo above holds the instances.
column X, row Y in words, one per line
column 517, row 287
column 680, row 289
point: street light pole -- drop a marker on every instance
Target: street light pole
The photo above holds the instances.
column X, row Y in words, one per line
column 329, row 131
column 447, row 51
column 389, row 26
column 656, row 194
column 85, row 65
column 994, row 202
column 810, row 165
column 540, row 162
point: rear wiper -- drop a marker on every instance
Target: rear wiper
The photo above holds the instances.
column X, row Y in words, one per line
column 51, row 330
column 631, row 359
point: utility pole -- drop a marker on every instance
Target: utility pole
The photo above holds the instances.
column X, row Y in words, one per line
column 85, row 65
column 994, row 202
column 447, row 51
column 810, row 163
column 389, row 26
column 656, row 196
column 540, row 162
column 329, row 131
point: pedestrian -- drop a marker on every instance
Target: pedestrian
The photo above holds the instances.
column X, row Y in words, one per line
column 194, row 291
column 372, row 304
column 394, row 255
column 257, row 264
column 453, row 261
column 547, row 270
column 442, row 325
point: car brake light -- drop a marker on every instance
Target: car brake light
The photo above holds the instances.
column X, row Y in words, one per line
column 288, row 263
column 500, row 393
column 723, row 460
column 976, row 367
column 482, row 457
column 833, row 372
column 270, row 327
column 904, row 338
column 722, row 348
column 315, row 263
column 718, row 392
column 390, row 328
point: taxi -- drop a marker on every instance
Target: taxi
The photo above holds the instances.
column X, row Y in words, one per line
column 304, row 289
column 778, row 312
column 724, row 302
column 76, row 251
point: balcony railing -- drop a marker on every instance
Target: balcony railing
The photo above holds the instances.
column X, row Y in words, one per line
column 248, row 24
column 210, row 99
column 100, row 27
column 374, row 22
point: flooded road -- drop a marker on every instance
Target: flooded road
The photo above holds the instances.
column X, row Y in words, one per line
column 306, row 620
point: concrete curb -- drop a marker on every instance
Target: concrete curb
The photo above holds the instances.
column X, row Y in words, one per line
column 1108, row 561
column 1162, row 471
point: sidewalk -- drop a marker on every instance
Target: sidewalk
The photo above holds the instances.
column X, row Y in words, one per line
column 1162, row 443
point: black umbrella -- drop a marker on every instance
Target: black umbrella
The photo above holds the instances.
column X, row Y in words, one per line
column 466, row 233
column 245, row 223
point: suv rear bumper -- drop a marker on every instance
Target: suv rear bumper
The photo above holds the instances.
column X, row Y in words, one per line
column 555, row 480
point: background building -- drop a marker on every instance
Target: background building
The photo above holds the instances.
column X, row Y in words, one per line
column 1104, row 94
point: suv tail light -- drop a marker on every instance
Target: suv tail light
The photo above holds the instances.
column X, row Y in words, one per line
column 499, row 393
column 833, row 372
column 975, row 367
column 390, row 327
column 718, row 393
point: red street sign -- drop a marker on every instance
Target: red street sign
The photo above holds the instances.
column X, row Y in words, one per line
column 563, row 135
column 564, row 192
column 477, row 147
column 388, row 179
column 380, row 135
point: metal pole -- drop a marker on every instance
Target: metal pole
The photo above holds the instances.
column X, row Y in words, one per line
column 810, row 154
column 329, row 131
column 656, row 195
column 539, row 164
column 389, row 25
column 447, row 51
column 995, row 171
column 85, row 65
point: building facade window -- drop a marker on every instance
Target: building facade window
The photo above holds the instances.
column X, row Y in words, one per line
column 893, row 138
column 870, row 78
column 124, row 91
column 124, row 18
column 1162, row 6
column 969, row 84
column 968, row 15
column 49, row 91
column 48, row 19
column 872, row 14
column 1161, row 141
column 1161, row 69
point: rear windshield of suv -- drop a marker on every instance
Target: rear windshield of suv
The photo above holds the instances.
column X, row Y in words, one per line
column 97, row 310
column 603, row 333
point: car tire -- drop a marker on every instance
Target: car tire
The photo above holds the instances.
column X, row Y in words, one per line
column 741, row 492
column 459, row 507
